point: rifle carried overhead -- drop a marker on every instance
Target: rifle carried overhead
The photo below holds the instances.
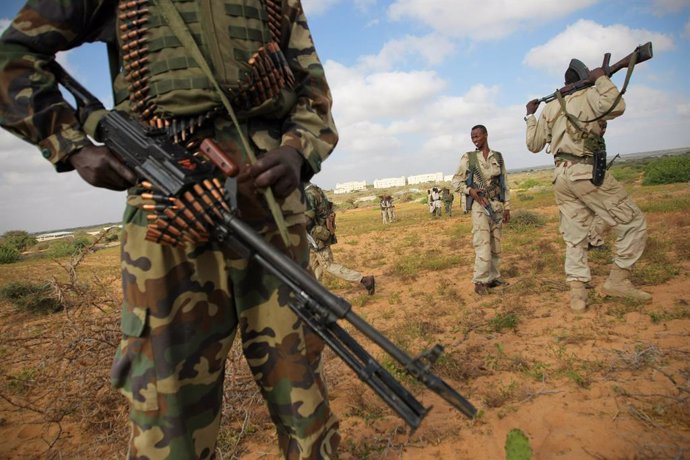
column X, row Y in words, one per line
column 642, row 53
column 192, row 206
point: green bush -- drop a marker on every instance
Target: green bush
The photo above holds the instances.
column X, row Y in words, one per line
column 36, row 298
column 8, row 254
column 20, row 239
column 667, row 170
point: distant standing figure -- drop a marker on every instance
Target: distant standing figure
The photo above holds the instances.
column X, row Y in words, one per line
column 387, row 209
column 447, row 197
column 390, row 209
column 569, row 125
column 435, row 202
column 321, row 235
column 481, row 176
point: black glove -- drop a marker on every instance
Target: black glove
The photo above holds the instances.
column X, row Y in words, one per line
column 279, row 169
column 100, row 168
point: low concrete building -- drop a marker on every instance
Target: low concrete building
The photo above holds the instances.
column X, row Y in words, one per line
column 53, row 236
column 390, row 182
column 423, row 178
column 347, row 187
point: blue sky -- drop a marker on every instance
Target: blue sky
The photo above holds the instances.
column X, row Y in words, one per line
column 409, row 79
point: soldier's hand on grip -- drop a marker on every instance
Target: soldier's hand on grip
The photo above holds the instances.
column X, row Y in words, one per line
column 532, row 106
column 595, row 73
column 279, row 169
column 100, row 168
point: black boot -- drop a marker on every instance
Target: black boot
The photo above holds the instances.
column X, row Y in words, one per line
column 369, row 283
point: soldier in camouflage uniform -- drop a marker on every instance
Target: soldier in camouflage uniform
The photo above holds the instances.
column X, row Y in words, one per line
column 482, row 177
column 321, row 235
column 447, row 197
column 182, row 306
column 570, row 126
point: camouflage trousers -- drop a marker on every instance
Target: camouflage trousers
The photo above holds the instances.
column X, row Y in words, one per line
column 486, row 239
column 182, row 308
column 597, row 231
column 321, row 261
column 579, row 201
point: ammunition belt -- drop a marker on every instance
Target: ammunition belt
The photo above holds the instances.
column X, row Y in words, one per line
column 569, row 157
column 269, row 75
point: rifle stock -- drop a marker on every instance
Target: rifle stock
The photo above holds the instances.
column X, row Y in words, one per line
column 642, row 53
column 187, row 183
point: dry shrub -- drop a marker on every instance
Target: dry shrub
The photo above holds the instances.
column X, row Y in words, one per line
column 71, row 352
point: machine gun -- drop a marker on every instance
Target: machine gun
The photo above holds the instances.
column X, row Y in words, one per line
column 642, row 53
column 191, row 207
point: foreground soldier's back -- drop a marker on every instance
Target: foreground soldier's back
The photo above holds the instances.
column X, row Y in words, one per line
column 182, row 305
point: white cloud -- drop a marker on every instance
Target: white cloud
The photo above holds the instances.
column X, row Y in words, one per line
column 314, row 7
column 588, row 41
column 497, row 19
column 360, row 96
column 433, row 48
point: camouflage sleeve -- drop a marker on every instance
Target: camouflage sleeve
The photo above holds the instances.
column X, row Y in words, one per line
column 31, row 105
column 309, row 127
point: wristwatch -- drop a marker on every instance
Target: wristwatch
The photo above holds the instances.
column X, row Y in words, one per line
column 527, row 116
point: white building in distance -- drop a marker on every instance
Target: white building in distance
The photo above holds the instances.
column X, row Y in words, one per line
column 390, row 182
column 347, row 187
column 422, row 178
column 448, row 177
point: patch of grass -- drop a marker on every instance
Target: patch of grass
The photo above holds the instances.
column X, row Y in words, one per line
column 681, row 311
column 35, row 298
column 22, row 381
column 410, row 265
column 530, row 183
column 394, row 298
column 580, row 379
column 525, row 221
column 500, row 395
column 538, row 371
column 622, row 306
column 503, row 321
column 626, row 173
column 672, row 204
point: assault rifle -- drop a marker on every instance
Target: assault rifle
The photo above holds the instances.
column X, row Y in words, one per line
column 480, row 187
column 194, row 208
column 642, row 53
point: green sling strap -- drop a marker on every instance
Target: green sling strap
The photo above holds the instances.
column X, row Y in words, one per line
column 178, row 26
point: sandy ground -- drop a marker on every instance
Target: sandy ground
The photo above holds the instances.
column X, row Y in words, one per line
column 611, row 383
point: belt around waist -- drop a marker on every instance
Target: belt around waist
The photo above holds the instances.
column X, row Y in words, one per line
column 563, row 156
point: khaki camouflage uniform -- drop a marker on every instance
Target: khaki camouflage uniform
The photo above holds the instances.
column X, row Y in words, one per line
column 578, row 199
column 182, row 306
column 320, row 254
column 486, row 234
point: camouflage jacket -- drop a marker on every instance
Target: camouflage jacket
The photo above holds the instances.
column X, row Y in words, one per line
column 320, row 216
column 32, row 107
